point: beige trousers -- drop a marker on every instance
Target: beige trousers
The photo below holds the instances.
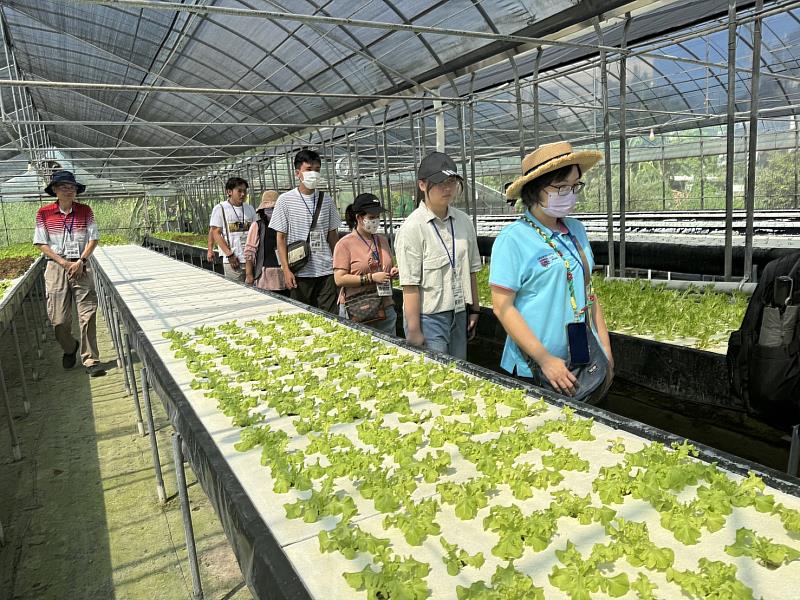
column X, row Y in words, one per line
column 62, row 294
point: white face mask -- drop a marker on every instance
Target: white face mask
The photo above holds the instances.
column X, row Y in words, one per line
column 310, row 179
column 560, row 206
column 371, row 225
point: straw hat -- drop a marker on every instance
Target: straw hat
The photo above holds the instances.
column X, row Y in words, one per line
column 548, row 158
column 268, row 199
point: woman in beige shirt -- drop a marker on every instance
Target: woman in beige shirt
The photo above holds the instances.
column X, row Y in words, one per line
column 362, row 262
column 262, row 268
column 437, row 252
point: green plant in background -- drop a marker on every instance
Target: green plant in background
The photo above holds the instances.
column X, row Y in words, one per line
column 638, row 308
column 192, row 239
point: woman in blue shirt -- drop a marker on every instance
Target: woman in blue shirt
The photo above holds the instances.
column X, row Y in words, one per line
column 537, row 271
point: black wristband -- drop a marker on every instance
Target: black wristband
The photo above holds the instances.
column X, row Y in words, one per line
column 474, row 312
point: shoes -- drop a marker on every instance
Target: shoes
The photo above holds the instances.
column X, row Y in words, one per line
column 68, row 360
column 95, row 370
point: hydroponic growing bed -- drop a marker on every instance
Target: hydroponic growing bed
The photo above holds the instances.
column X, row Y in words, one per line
column 382, row 473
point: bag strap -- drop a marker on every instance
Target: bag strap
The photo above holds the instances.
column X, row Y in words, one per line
column 587, row 276
column 318, row 208
column 227, row 228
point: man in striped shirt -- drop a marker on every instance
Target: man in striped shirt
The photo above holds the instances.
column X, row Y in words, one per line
column 291, row 218
column 67, row 234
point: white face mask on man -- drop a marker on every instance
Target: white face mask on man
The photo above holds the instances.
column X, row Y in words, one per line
column 371, row 225
column 310, row 179
column 560, row 206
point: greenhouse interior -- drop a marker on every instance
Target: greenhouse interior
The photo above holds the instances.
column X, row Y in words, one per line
column 476, row 299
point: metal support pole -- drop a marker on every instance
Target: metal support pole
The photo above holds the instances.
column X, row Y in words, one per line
column 729, row 135
column 607, row 148
column 470, row 184
column 29, row 330
column 183, row 495
column 663, row 177
column 12, row 428
column 623, row 148
column 518, row 98
column 536, row 65
column 121, row 364
column 26, row 402
column 750, row 192
column 702, row 174
column 796, row 144
column 43, row 307
column 357, row 166
column 472, row 189
column 437, row 106
column 151, row 429
column 134, row 390
column 388, row 186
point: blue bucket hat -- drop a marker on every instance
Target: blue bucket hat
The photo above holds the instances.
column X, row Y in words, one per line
column 63, row 177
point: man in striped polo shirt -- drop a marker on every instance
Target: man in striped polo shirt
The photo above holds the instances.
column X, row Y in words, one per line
column 291, row 218
column 67, row 234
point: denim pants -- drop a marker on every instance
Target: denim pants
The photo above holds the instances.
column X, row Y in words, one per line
column 387, row 325
column 446, row 332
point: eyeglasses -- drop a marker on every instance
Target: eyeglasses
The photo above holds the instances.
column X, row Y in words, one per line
column 563, row 190
column 449, row 182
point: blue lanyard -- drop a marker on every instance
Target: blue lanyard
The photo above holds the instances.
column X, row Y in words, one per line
column 376, row 255
column 451, row 258
column 578, row 261
column 71, row 223
column 311, row 212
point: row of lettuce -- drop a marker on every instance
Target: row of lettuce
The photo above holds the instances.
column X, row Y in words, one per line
column 406, row 468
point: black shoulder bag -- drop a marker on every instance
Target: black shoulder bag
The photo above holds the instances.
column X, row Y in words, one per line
column 299, row 252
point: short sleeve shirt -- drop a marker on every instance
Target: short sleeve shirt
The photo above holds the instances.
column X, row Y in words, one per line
column 292, row 216
column 356, row 255
column 424, row 247
column 55, row 228
column 234, row 221
column 524, row 263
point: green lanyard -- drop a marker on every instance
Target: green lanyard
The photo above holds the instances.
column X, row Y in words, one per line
column 573, row 300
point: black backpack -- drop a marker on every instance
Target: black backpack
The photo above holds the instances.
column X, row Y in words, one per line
column 767, row 377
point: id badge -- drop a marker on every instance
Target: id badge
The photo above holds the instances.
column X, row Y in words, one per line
column 384, row 289
column 316, row 241
column 72, row 249
column 458, row 293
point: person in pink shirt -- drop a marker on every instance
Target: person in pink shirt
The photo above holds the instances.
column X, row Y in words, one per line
column 262, row 268
column 363, row 264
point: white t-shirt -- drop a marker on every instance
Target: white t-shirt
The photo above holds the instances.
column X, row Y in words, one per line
column 234, row 221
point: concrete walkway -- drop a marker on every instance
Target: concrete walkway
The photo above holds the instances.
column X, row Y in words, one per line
column 80, row 512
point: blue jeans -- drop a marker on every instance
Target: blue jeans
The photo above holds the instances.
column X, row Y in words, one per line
column 446, row 332
column 387, row 325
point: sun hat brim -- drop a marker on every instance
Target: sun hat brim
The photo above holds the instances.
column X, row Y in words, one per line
column 585, row 159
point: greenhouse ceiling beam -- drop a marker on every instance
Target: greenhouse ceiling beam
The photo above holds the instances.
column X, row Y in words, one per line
column 188, row 124
column 81, row 85
column 338, row 21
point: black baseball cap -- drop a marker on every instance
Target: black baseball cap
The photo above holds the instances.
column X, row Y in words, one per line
column 437, row 167
column 367, row 202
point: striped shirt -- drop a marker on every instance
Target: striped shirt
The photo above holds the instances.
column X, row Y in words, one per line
column 54, row 227
column 292, row 216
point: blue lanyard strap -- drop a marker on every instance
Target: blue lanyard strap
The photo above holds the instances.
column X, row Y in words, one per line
column 311, row 212
column 375, row 252
column 71, row 223
column 451, row 258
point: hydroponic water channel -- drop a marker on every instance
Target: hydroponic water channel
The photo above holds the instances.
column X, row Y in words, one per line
column 380, row 472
